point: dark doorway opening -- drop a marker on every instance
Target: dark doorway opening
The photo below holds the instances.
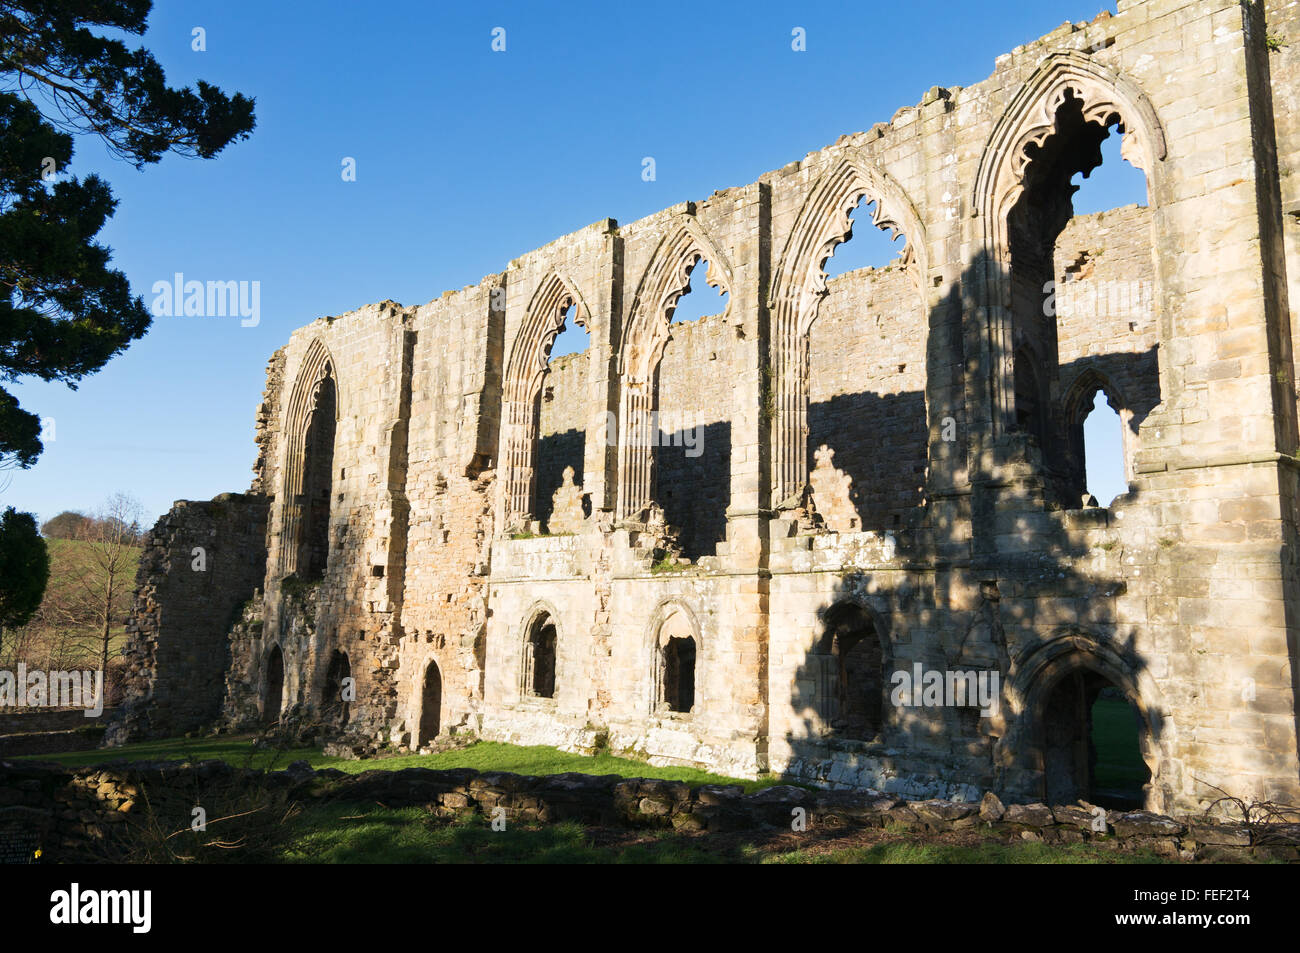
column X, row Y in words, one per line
column 339, row 691
column 679, row 674
column 430, row 705
column 1092, row 744
column 274, row 697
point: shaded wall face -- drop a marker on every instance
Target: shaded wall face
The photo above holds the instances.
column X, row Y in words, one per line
column 867, row 359
column 693, row 460
column 561, row 412
column 1105, row 304
column 317, row 486
column 177, row 650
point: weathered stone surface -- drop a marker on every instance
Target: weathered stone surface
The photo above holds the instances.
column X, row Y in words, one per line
column 831, row 499
column 566, row 507
column 1144, row 823
column 1029, row 815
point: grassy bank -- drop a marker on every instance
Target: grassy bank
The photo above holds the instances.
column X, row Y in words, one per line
column 366, row 833
column 482, row 756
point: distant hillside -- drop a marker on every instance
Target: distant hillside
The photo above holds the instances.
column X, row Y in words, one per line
column 65, row 633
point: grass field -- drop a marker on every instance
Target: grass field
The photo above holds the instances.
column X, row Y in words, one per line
column 342, row 833
column 483, row 756
column 372, row 833
column 64, row 632
column 1119, row 758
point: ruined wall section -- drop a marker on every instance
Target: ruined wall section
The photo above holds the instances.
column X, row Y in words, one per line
column 1177, row 594
column 582, row 266
column 202, row 562
column 355, row 608
column 561, row 427
column 1107, row 332
column 697, row 398
column 266, row 429
column 1136, row 587
column 454, row 423
column 867, row 365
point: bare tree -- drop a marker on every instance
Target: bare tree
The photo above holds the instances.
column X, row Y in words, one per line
column 111, row 535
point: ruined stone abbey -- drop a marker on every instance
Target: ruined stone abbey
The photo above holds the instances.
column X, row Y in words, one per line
column 723, row 542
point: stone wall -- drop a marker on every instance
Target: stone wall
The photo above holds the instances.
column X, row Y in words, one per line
column 200, row 564
column 867, row 391
column 50, row 730
column 692, row 460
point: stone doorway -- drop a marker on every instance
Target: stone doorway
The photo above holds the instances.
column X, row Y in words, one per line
column 1092, row 743
column 338, row 694
column 273, row 699
column 430, row 706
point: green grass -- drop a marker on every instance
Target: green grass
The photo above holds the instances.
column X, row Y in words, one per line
column 365, row 833
column 482, row 756
column 917, row 851
column 1119, row 758
column 370, row 833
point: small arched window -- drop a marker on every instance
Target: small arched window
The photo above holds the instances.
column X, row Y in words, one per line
column 676, row 661
column 539, row 658
column 850, row 674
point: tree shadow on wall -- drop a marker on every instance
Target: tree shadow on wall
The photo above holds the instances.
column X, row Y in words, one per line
column 990, row 587
column 556, row 451
column 693, row 484
column 879, row 441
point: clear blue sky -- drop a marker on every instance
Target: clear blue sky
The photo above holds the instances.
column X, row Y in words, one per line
column 465, row 159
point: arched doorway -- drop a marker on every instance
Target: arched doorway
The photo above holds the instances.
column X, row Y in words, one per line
column 430, row 705
column 339, row 691
column 850, row 673
column 1090, row 736
column 273, row 697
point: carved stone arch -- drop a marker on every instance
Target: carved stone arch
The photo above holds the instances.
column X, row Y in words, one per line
column 316, row 365
column 1088, row 382
column 1076, row 405
column 526, row 365
column 879, row 620
column 1107, row 98
column 543, row 320
column 645, row 335
column 799, row 284
column 824, row 223
column 675, row 612
column 541, row 614
column 669, row 606
column 316, row 371
column 662, row 284
column 1038, row 671
column 851, row 669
